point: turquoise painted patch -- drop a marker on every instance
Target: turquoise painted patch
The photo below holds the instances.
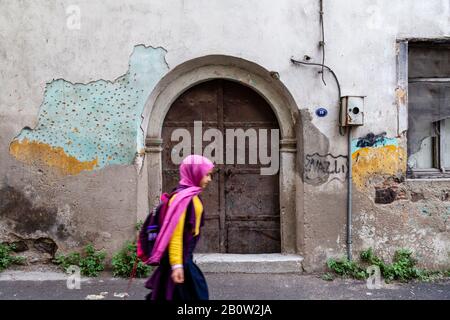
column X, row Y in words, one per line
column 425, row 211
column 379, row 143
column 100, row 119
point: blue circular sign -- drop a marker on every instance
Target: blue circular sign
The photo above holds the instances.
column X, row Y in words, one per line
column 321, row 112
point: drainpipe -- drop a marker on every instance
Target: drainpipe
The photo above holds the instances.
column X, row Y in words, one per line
column 349, row 195
column 349, row 154
column 341, row 132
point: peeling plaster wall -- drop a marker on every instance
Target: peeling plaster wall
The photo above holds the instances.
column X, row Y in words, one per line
column 89, row 126
column 81, row 178
column 418, row 219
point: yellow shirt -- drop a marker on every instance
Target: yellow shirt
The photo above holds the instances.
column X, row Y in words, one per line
column 176, row 242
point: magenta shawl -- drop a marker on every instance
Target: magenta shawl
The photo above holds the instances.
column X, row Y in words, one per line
column 192, row 169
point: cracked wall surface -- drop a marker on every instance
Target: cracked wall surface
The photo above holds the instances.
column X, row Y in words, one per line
column 80, row 177
column 89, row 126
column 417, row 217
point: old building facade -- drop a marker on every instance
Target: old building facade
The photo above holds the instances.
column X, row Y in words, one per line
column 92, row 92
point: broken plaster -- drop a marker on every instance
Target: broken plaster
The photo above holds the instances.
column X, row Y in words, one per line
column 376, row 155
column 89, row 126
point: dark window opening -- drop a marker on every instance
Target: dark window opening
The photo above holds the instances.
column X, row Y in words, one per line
column 428, row 110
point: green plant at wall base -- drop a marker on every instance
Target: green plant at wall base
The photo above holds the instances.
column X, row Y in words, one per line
column 371, row 259
column 6, row 258
column 65, row 261
column 139, row 225
column 327, row 277
column 346, row 268
column 91, row 262
column 123, row 262
column 403, row 267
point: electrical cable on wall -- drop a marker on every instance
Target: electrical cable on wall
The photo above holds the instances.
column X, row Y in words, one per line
column 322, row 42
column 342, row 130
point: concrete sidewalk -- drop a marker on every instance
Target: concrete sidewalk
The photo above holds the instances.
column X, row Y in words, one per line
column 49, row 285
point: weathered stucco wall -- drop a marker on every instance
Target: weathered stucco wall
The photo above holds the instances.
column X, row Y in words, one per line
column 90, row 126
column 74, row 175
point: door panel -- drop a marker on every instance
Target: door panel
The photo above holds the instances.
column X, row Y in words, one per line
column 242, row 212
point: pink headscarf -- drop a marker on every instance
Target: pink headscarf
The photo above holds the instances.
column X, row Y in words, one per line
column 192, row 169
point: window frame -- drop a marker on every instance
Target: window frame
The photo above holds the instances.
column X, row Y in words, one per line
column 403, row 81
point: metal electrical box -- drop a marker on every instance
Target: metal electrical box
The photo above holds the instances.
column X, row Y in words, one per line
column 352, row 111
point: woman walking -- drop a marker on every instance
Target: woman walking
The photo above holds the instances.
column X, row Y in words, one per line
column 177, row 276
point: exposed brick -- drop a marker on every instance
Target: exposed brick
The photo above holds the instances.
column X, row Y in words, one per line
column 417, row 196
column 385, row 196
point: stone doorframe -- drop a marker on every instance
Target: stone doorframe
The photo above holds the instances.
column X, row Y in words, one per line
column 268, row 85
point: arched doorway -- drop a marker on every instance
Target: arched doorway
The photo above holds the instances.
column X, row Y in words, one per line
column 202, row 69
column 242, row 206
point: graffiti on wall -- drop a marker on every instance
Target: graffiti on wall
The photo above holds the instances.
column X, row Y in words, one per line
column 372, row 154
column 325, row 168
column 89, row 126
column 372, row 140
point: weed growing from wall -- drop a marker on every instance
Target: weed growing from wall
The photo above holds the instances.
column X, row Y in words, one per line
column 123, row 262
column 403, row 267
column 91, row 261
column 6, row 258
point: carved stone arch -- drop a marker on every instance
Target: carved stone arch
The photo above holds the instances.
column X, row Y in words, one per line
column 264, row 82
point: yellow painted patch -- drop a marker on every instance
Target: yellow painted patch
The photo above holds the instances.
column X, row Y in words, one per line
column 386, row 160
column 41, row 153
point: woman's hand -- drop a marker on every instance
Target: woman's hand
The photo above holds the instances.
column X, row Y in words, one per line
column 178, row 275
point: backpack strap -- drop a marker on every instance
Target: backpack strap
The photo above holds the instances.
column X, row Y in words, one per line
column 164, row 198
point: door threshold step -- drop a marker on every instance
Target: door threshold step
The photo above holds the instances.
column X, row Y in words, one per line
column 249, row 263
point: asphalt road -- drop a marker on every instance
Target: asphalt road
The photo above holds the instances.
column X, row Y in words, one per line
column 224, row 287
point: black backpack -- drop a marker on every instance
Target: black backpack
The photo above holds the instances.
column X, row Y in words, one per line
column 150, row 229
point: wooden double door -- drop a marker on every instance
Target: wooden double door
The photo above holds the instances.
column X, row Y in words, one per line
column 242, row 210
